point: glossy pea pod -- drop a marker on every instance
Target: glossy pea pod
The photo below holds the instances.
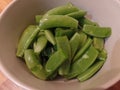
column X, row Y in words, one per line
column 83, row 63
column 64, row 32
column 62, row 10
column 90, row 72
column 74, row 44
column 77, row 14
column 34, row 65
column 26, row 39
column 54, row 21
column 38, row 18
column 54, row 62
column 63, row 43
column 83, row 49
column 97, row 31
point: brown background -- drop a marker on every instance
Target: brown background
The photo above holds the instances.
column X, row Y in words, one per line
column 6, row 84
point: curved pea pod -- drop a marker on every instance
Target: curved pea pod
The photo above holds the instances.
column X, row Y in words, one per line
column 102, row 55
column 98, row 43
column 34, row 65
column 40, row 44
column 64, row 32
column 38, row 18
column 87, row 21
column 91, row 71
column 83, row 49
column 63, row 43
column 54, row 21
column 77, row 14
column 54, row 62
column 97, row 31
column 50, row 37
column 74, row 43
column 62, row 10
column 83, row 63
column 26, row 39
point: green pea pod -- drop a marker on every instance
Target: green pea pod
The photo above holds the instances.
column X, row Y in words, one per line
column 97, row 31
column 64, row 32
column 77, row 14
column 102, row 55
column 40, row 44
column 38, row 18
column 54, row 62
column 87, row 21
column 26, row 39
column 62, row 10
column 50, row 37
column 54, row 21
column 83, row 38
column 98, row 43
column 74, row 43
column 33, row 64
column 63, row 43
column 83, row 63
column 82, row 49
column 91, row 71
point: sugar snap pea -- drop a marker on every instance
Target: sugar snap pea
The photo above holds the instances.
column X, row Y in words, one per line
column 91, row 71
column 38, row 18
column 54, row 21
column 40, row 44
column 34, row 65
column 50, row 37
column 64, row 44
column 82, row 49
column 54, row 62
column 74, row 43
column 64, row 32
column 97, row 31
column 77, row 14
column 62, row 10
column 83, row 63
column 26, row 39
column 98, row 43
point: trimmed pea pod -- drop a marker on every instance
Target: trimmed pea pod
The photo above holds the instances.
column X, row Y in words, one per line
column 64, row 32
column 40, row 44
column 50, row 37
column 54, row 21
column 63, row 43
column 38, row 18
column 83, row 38
column 98, row 43
column 87, row 21
column 83, row 63
column 97, row 31
column 82, row 49
column 74, row 43
column 55, row 61
column 34, row 65
column 102, row 55
column 26, row 39
column 91, row 71
column 62, row 10
column 77, row 14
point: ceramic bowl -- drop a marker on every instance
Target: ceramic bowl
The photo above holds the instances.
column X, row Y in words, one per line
column 20, row 13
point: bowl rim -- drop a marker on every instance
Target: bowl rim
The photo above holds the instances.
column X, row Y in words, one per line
column 25, row 86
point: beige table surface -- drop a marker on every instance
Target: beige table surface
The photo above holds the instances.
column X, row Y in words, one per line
column 6, row 84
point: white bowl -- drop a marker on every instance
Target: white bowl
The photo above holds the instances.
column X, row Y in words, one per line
column 20, row 13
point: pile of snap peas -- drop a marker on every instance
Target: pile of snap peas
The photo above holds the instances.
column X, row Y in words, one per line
column 63, row 42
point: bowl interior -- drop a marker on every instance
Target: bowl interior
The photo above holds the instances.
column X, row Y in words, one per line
column 21, row 13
